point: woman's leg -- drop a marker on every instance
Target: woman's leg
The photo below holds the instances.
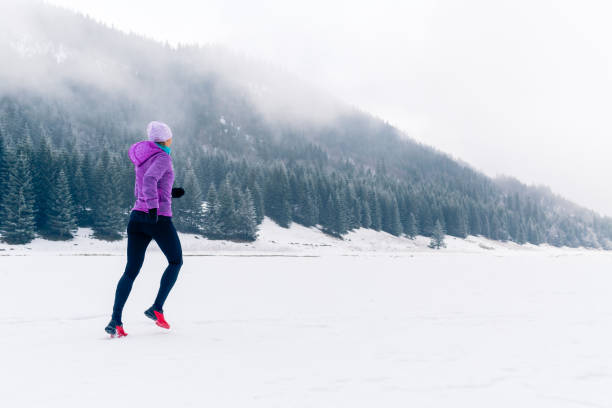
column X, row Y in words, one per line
column 136, row 247
column 168, row 241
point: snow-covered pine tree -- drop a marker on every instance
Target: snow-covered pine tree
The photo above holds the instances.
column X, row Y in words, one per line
column 227, row 209
column 412, row 229
column 18, row 204
column 258, row 202
column 211, row 226
column 437, row 236
column 68, row 159
column 246, row 222
column 61, row 222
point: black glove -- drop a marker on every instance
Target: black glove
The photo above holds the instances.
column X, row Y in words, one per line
column 177, row 192
column 152, row 216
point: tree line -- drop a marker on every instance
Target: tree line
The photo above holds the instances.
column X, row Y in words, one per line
column 53, row 192
column 60, row 171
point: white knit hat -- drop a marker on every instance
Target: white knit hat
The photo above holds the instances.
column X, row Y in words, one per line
column 158, row 131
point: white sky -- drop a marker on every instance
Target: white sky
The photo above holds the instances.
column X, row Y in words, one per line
column 513, row 87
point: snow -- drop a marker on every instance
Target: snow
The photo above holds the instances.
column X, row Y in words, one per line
column 300, row 319
column 296, row 240
column 433, row 329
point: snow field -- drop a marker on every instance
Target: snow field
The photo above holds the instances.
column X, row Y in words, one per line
column 424, row 329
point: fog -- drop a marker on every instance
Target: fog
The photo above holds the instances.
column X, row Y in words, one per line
column 521, row 88
column 48, row 47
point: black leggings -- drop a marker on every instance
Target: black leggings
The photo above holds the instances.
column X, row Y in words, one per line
column 140, row 233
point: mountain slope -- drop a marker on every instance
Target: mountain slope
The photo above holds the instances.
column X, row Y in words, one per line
column 269, row 144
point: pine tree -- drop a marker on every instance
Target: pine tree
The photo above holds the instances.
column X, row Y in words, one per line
column 246, row 222
column 341, row 219
column 327, row 212
column 211, row 227
column 3, row 169
column 339, row 222
column 69, row 161
column 277, row 196
column 61, row 223
column 25, row 144
column 303, row 199
column 353, row 206
column 43, row 171
column 437, row 236
column 80, row 199
column 366, row 220
column 425, row 219
column 258, row 202
column 475, row 225
column 395, row 226
column 462, row 222
column 85, row 190
column 108, row 220
column 533, row 234
column 555, row 236
column 227, row 209
column 18, row 204
column 310, row 208
column 189, row 207
column 486, row 225
column 412, row 230
column 376, row 211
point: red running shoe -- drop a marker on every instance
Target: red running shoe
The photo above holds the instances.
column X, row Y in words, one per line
column 115, row 329
column 158, row 317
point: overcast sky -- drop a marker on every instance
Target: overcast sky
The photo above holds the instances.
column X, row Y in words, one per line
column 516, row 87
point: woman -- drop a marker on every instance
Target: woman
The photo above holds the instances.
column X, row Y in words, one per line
column 150, row 218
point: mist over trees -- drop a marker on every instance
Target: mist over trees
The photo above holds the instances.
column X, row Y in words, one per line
column 64, row 163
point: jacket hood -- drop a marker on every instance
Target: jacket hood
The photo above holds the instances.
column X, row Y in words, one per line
column 142, row 151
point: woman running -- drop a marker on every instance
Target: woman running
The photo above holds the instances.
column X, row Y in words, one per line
column 150, row 218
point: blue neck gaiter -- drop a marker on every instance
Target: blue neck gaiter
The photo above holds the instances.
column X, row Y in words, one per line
column 164, row 148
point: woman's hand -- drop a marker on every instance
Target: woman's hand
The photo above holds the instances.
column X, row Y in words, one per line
column 177, row 192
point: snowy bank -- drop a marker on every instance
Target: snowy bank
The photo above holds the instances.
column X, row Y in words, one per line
column 296, row 240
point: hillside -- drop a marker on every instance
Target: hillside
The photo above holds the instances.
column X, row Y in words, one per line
column 248, row 137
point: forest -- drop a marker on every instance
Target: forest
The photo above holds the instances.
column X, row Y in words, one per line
column 53, row 184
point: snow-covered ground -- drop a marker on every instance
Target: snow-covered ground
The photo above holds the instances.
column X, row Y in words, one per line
column 275, row 240
column 341, row 327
